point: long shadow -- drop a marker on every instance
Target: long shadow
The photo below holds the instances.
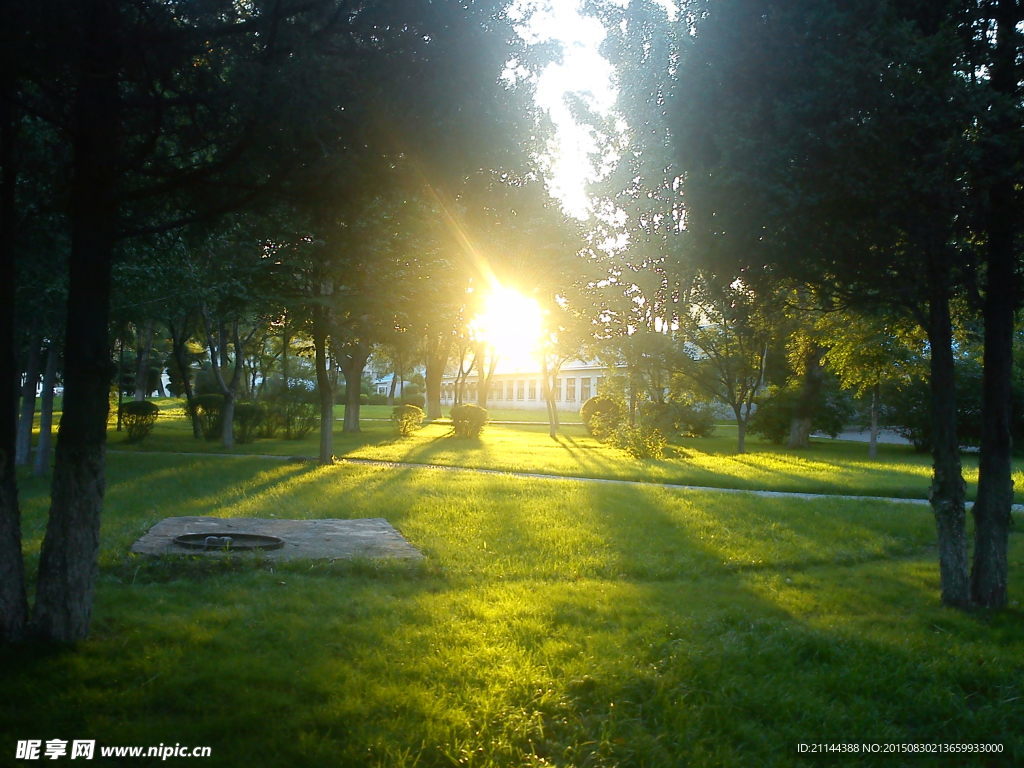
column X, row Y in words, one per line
column 655, row 651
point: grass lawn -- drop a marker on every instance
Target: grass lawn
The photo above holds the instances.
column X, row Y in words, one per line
column 829, row 466
column 553, row 623
column 496, row 414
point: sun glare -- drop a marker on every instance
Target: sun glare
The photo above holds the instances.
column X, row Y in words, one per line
column 512, row 324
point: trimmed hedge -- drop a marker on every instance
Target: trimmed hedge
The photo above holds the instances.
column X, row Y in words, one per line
column 248, row 417
column 468, row 420
column 407, row 418
column 138, row 418
column 209, row 410
column 418, row 400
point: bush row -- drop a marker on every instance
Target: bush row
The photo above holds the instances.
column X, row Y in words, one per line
column 605, row 417
column 292, row 418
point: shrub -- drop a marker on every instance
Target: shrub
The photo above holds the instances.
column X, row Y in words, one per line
column 364, row 399
column 208, row 409
column 205, row 383
column 271, row 421
column 418, row 400
column 687, row 418
column 111, row 404
column 774, row 415
column 643, row 442
column 298, row 413
column 697, row 419
column 408, row 418
column 376, row 399
column 138, row 419
column 468, row 420
column 248, row 417
column 602, row 414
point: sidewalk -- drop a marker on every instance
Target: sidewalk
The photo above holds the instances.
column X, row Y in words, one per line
column 1019, row 508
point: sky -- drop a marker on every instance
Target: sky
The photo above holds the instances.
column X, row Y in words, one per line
column 582, row 71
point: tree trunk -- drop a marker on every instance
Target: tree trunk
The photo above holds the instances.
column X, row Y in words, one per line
column 352, row 364
column 218, row 356
column 13, row 603
column 23, row 449
column 286, row 341
column 227, row 420
column 142, row 352
column 324, row 388
column 391, row 391
column 41, row 463
column 548, row 377
column 179, row 337
column 119, row 376
column 484, row 381
column 807, row 404
column 741, row 431
column 992, row 510
column 68, row 565
column 873, row 438
column 436, row 358
column 947, row 490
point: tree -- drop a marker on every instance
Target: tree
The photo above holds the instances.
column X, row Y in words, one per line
column 167, row 116
column 726, row 338
column 997, row 33
column 866, row 352
column 856, row 191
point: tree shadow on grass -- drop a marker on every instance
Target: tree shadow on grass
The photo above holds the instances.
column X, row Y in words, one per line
column 585, row 457
column 649, row 650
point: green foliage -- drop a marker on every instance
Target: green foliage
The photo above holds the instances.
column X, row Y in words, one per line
column 248, row 418
column 206, row 383
column 376, row 399
column 640, row 442
column 685, row 418
column 111, row 404
column 138, row 418
column 407, row 418
column 271, row 422
column 418, row 400
column 208, row 408
column 468, row 420
column 774, row 415
column 296, row 414
column 602, row 414
column 364, row 399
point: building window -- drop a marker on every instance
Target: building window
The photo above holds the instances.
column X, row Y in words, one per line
column 533, row 389
column 520, row 390
column 585, row 389
column 570, row 390
column 558, row 390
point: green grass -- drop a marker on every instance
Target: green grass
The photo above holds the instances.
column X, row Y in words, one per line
column 496, row 414
column 552, row 623
column 829, row 466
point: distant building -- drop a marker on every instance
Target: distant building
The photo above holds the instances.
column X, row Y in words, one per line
column 577, row 382
column 382, row 386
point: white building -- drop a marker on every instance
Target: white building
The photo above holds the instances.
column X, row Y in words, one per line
column 577, row 382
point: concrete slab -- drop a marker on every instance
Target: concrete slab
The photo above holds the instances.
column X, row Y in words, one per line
column 329, row 539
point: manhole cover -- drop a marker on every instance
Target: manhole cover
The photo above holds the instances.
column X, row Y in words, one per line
column 206, row 541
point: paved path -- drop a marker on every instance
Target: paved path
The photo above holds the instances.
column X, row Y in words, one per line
column 572, row 478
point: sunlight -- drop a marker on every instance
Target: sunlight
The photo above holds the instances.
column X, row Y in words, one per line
column 512, row 324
